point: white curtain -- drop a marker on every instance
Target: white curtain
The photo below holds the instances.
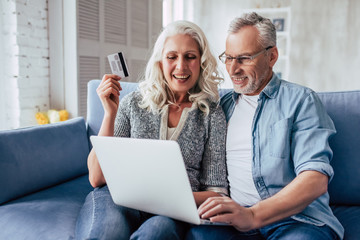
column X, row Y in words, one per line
column 2, row 86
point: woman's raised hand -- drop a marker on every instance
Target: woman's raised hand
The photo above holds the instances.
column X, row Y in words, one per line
column 109, row 92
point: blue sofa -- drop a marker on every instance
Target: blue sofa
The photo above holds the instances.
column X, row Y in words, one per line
column 44, row 181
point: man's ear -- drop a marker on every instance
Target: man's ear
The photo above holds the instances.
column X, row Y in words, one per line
column 274, row 54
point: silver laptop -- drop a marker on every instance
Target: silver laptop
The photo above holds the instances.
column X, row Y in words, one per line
column 148, row 175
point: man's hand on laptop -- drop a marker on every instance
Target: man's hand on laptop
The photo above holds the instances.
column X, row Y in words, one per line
column 224, row 209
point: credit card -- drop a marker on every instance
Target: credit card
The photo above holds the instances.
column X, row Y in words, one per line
column 118, row 65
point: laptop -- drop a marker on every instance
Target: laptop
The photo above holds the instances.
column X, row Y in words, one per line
column 148, row 175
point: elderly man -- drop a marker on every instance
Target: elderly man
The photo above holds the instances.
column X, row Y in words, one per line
column 277, row 148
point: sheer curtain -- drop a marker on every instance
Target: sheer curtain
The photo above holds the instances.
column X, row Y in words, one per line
column 174, row 10
column 2, row 87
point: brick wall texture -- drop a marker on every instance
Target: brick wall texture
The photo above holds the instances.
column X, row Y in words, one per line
column 26, row 60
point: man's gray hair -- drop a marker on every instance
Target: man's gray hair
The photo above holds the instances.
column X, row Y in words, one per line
column 266, row 28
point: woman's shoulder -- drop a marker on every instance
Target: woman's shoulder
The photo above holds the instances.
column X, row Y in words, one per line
column 130, row 101
column 215, row 108
column 214, row 111
column 131, row 97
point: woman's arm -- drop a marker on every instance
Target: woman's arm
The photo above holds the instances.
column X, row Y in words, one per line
column 96, row 176
column 213, row 172
column 108, row 92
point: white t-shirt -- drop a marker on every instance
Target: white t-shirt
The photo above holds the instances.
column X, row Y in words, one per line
column 239, row 152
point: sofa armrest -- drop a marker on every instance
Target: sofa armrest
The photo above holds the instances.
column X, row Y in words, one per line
column 38, row 157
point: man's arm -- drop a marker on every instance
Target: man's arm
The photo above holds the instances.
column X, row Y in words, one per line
column 292, row 199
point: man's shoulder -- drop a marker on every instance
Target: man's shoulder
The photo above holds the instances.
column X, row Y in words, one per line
column 294, row 87
column 226, row 95
column 293, row 90
column 292, row 96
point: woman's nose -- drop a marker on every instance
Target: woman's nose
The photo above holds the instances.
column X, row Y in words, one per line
column 181, row 63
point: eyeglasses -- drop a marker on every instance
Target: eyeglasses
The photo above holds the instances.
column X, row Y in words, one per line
column 245, row 60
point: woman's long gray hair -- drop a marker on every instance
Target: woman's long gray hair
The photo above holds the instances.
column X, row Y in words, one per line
column 155, row 90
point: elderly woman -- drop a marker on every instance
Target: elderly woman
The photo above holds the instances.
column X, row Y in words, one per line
column 177, row 100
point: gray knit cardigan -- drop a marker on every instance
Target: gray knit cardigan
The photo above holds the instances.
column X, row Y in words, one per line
column 201, row 140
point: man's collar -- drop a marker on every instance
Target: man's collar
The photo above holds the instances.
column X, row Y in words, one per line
column 270, row 90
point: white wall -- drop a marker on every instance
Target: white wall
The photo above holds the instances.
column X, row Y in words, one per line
column 214, row 18
column 325, row 53
column 26, row 61
column 325, row 45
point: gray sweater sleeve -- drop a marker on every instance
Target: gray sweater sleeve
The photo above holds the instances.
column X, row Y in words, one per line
column 122, row 122
column 214, row 172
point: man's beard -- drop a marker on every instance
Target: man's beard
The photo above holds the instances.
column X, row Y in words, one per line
column 252, row 86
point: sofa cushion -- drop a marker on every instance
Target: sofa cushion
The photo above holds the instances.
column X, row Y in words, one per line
column 343, row 108
column 349, row 217
column 95, row 111
column 42, row 155
column 48, row 214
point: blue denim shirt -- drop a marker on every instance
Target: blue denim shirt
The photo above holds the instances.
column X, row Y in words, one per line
column 290, row 133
